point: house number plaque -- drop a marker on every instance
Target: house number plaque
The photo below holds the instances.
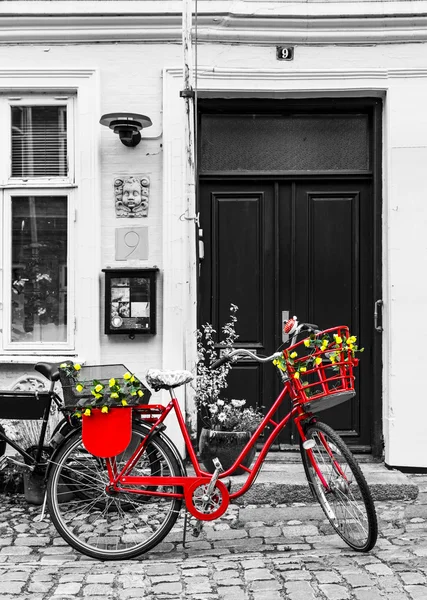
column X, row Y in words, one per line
column 285, row 52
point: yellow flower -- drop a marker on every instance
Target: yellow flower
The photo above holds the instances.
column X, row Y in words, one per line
column 112, row 382
column 352, row 339
column 338, row 339
column 99, row 387
column 133, row 393
column 317, row 360
column 77, row 367
column 87, row 412
column 307, row 343
column 296, row 375
column 293, row 354
column 132, row 379
column 140, row 393
column 96, row 394
column 127, row 376
column 114, row 395
column 79, row 387
column 303, row 369
column 124, row 403
column 78, row 414
column 104, row 409
column 63, row 366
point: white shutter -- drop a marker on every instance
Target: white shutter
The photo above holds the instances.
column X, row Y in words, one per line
column 39, row 141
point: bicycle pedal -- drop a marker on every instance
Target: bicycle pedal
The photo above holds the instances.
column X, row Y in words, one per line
column 197, row 529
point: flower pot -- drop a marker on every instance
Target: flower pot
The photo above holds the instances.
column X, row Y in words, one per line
column 226, row 446
column 34, row 487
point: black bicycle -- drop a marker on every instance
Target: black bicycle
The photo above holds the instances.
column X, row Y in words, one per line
column 35, row 405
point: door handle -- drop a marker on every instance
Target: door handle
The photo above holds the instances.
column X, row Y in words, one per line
column 285, row 317
column 377, row 310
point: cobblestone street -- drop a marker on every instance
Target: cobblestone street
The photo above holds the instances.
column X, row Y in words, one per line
column 251, row 553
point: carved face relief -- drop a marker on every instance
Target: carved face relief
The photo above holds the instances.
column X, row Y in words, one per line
column 131, row 196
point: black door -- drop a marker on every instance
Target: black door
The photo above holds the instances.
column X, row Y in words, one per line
column 302, row 243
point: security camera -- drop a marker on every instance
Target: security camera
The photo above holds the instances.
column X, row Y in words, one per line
column 127, row 126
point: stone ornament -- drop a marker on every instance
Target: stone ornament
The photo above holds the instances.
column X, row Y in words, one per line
column 131, row 194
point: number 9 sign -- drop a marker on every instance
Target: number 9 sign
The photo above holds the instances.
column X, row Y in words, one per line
column 284, row 52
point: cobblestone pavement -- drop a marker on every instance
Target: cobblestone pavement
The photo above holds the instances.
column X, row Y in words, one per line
column 251, row 553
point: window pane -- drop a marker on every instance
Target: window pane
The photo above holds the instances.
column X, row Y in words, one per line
column 39, row 141
column 39, row 269
column 272, row 143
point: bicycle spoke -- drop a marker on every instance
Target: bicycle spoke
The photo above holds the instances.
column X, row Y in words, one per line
column 346, row 499
column 111, row 524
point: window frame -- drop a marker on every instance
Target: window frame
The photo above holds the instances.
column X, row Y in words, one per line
column 6, row 227
column 7, row 100
column 35, row 186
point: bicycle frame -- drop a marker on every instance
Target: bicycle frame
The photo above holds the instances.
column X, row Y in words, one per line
column 120, row 480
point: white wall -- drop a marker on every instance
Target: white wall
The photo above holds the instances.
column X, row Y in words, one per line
column 130, row 78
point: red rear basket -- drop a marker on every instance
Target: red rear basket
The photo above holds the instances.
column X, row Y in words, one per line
column 320, row 369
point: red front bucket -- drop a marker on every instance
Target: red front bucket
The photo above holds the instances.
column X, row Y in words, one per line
column 107, row 434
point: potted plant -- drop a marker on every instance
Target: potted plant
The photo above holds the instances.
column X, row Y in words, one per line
column 227, row 425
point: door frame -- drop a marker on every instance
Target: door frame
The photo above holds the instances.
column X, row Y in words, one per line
column 179, row 309
column 311, row 105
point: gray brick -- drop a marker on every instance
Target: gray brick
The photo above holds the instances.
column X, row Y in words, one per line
column 225, row 534
column 300, row 590
column 258, row 574
column 174, row 587
column 416, row 592
column 11, row 587
column 368, row 594
column 333, row 591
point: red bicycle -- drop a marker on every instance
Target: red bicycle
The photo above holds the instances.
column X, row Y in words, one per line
column 119, row 504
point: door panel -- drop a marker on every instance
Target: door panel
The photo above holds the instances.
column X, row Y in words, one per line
column 303, row 246
column 238, row 223
column 334, row 278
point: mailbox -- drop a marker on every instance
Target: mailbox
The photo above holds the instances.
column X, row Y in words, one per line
column 130, row 301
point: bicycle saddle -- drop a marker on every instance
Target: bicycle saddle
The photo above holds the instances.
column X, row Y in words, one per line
column 167, row 380
column 49, row 370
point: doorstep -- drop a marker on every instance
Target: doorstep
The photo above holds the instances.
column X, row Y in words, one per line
column 283, row 481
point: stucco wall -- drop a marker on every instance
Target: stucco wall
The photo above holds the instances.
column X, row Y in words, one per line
column 130, row 78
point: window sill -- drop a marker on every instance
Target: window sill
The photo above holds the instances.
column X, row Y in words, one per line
column 28, row 359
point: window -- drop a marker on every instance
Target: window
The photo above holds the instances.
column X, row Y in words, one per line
column 39, row 269
column 37, row 200
column 39, row 141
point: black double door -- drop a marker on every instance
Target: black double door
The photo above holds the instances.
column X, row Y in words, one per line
column 305, row 245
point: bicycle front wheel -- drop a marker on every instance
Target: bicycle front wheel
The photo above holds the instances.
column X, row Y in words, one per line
column 111, row 525
column 345, row 499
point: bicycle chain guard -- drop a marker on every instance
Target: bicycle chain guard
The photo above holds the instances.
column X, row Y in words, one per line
column 203, row 506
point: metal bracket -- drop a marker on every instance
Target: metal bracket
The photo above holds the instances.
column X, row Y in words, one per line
column 378, row 305
column 187, row 94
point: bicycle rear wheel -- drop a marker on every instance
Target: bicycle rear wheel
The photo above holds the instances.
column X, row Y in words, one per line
column 346, row 501
column 111, row 526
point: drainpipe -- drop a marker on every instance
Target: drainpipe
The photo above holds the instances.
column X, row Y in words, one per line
column 190, row 219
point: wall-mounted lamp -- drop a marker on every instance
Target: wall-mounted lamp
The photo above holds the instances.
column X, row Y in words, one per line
column 127, row 125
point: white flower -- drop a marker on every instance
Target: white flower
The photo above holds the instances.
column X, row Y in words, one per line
column 222, row 417
column 220, row 402
column 238, row 403
column 213, row 409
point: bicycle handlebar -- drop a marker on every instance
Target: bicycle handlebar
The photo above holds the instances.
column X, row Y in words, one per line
column 244, row 352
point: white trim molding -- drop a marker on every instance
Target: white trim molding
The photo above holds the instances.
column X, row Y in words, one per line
column 405, row 135
column 84, row 83
column 227, row 21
